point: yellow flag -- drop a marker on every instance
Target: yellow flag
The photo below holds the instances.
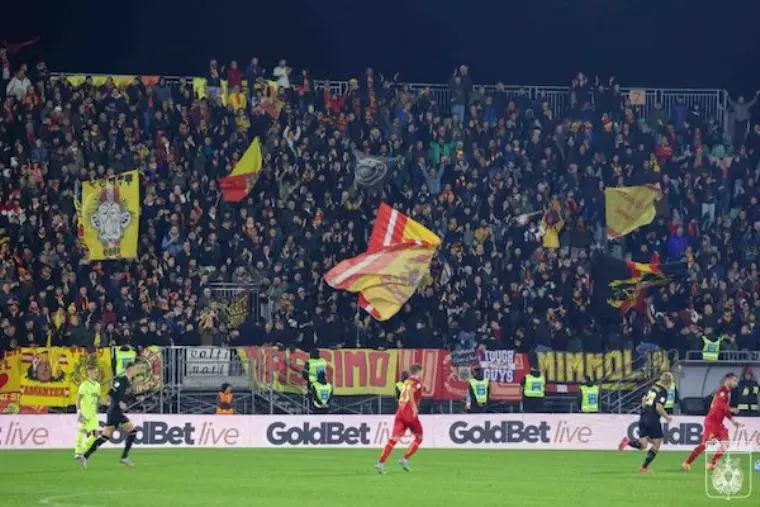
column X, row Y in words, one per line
column 111, row 216
column 628, row 208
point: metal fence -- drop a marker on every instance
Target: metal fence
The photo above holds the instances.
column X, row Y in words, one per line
column 193, row 376
column 712, row 102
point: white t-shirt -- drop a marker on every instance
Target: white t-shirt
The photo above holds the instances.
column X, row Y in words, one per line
column 18, row 87
column 283, row 81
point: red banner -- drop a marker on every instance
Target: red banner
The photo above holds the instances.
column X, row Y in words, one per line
column 445, row 380
column 351, row 371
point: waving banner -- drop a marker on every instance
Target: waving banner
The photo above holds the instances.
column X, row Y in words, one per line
column 388, row 273
column 372, row 171
column 110, row 216
column 628, row 208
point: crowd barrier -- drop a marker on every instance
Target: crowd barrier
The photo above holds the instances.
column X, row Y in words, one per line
column 503, row 431
column 712, row 102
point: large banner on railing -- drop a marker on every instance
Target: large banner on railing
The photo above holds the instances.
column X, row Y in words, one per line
column 31, row 378
column 149, row 371
column 351, row 371
column 614, row 366
column 446, row 377
column 364, row 372
column 459, row 431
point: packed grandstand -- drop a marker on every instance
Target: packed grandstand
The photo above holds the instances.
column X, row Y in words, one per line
column 472, row 159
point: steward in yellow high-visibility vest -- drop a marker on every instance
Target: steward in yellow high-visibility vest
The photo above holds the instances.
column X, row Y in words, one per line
column 400, row 383
column 672, row 400
column 478, row 393
column 224, row 401
column 710, row 348
column 320, row 393
column 589, row 395
column 314, row 366
column 533, row 391
column 122, row 357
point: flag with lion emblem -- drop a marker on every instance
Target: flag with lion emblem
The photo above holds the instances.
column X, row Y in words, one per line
column 390, row 271
column 110, row 216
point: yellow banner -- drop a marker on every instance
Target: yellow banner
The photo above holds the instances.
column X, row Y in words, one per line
column 47, row 376
column 628, row 208
column 111, row 216
column 148, row 371
column 613, row 366
column 100, row 358
column 10, row 383
column 351, row 371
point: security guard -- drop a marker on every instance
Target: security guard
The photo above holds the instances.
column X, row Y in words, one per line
column 122, row 357
column 589, row 397
column 533, row 391
column 478, row 394
column 314, row 365
column 748, row 394
column 224, row 401
column 673, row 399
column 320, row 393
column 400, row 383
column 710, row 348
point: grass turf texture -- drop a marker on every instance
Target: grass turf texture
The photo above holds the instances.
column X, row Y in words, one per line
column 321, row 477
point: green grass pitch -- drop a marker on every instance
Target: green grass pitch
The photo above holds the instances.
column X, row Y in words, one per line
column 335, row 478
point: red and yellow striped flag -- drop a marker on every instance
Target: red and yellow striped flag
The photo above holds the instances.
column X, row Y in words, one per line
column 243, row 177
column 389, row 272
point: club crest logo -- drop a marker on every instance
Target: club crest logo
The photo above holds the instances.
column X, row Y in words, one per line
column 728, row 478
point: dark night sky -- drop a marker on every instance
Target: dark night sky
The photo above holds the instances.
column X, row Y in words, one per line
column 642, row 42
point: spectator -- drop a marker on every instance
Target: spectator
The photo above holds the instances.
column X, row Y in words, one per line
column 19, row 85
column 741, row 115
column 282, row 74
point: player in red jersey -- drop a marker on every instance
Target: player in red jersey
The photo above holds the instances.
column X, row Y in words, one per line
column 407, row 418
column 714, row 429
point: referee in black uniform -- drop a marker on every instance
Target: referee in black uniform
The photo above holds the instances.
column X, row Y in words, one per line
column 115, row 418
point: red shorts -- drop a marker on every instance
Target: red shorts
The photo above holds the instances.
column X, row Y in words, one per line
column 714, row 432
column 402, row 423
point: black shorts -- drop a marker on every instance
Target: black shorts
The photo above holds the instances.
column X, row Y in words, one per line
column 115, row 417
column 650, row 428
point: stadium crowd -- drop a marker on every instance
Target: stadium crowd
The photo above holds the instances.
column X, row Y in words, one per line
column 469, row 169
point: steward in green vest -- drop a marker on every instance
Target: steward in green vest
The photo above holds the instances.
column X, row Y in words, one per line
column 589, row 397
column 478, row 394
column 400, row 383
column 533, row 391
column 672, row 400
column 710, row 348
column 314, row 365
column 320, row 393
column 122, row 357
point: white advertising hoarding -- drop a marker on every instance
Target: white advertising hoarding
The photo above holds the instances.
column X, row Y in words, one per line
column 492, row 431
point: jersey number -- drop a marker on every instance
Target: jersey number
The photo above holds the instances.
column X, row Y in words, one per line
column 649, row 398
column 406, row 394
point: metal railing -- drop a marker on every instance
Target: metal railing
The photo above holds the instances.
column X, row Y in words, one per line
column 712, row 102
column 623, row 396
column 726, row 355
column 193, row 375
